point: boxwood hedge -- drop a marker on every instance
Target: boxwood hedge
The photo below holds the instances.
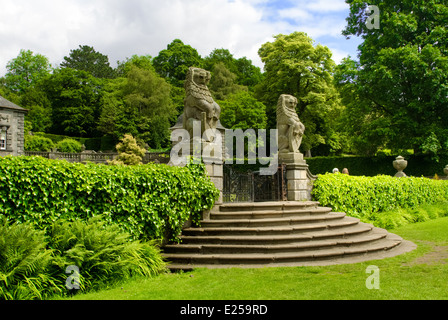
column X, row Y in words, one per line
column 150, row 201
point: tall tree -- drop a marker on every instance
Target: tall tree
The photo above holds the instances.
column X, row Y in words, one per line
column 242, row 111
column 85, row 58
column 246, row 73
column 173, row 62
column 26, row 70
column 403, row 70
column 142, row 62
column 365, row 130
column 75, row 101
column 138, row 104
column 223, row 82
column 294, row 65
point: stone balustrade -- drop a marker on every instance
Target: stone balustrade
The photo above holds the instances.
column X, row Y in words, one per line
column 97, row 157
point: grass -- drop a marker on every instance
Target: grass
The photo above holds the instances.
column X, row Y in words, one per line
column 417, row 275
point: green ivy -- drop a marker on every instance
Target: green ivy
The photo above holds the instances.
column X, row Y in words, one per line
column 150, row 201
column 368, row 198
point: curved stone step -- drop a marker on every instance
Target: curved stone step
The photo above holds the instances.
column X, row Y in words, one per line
column 263, row 206
column 274, row 248
column 285, row 227
column 277, row 238
column 275, row 220
column 287, row 257
column 290, row 233
column 264, row 214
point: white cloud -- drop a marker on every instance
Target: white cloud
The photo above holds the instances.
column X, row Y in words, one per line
column 326, row 5
column 121, row 28
column 295, row 14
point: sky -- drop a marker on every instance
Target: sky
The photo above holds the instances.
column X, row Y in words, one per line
column 122, row 28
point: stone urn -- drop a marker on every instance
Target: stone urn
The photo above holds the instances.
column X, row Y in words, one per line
column 400, row 164
column 445, row 170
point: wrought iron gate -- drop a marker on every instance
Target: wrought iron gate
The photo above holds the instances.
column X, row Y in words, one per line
column 250, row 186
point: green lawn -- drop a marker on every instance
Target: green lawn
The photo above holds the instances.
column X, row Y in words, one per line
column 420, row 274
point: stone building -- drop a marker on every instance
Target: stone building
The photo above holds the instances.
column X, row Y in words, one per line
column 12, row 127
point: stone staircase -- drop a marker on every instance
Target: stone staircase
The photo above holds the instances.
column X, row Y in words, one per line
column 288, row 233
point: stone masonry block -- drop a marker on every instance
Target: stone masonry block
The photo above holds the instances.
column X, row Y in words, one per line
column 295, row 174
column 296, row 185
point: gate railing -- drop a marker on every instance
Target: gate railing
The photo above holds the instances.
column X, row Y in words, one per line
column 250, row 186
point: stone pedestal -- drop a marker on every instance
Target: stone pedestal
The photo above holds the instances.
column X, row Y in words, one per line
column 215, row 172
column 299, row 179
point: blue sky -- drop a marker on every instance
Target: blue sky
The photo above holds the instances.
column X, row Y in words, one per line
column 122, row 28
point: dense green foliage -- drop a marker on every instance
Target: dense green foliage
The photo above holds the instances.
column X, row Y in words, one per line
column 392, row 95
column 396, row 93
column 33, row 263
column 371, row 166
column 26, row 70
column 87, row 59
column 38, row 143
column 242, row 111
column 295, row 65
column 173, row 62
column 129, row 152
column 223, row 82
column 149, row 201
column 25, row 263
column 369, row 197
column 103, row 253
column 69, row 145
column 246, row 73
column 138, row 104
column 74, row 99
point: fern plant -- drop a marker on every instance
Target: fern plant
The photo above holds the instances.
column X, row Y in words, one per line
column 103, row 253
column 24, row 263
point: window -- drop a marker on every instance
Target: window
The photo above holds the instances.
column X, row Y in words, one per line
column 2, row 139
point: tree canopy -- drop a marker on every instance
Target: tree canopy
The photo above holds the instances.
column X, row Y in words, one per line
column 400, row 83
column 75, row 97
column 26, row 70
column 173, row 62
column 138, row 104
column 294, row 65
column 85, row 58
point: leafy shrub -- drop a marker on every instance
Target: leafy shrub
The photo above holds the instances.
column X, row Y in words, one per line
column 69, row 145
column 151, row 201
column 129, row 152
column 38, row 143
column 33, row 264
column 103, row 253
column 90, row 143
column 379, row 199
column 25, row 263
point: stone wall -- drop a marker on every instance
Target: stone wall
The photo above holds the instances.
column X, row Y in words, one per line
column 13, row 121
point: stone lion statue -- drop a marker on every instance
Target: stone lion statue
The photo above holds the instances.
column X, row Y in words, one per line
column 290, row 129
column 199, row 104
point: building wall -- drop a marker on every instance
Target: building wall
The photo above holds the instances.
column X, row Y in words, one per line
column 14, row 121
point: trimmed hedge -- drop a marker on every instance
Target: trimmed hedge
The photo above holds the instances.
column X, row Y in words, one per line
column 371, row 166
column 38, row 143
column 368, row 197
column 150, row 201
column 90, row 143
column 69, row 145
